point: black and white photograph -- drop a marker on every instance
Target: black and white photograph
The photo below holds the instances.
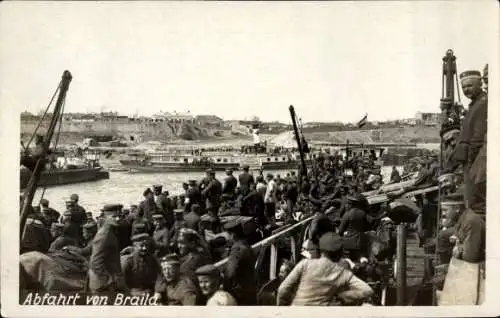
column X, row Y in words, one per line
column 265, row 154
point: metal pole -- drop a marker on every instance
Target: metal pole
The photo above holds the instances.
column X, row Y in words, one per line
column 401, row 266
column 297, row 137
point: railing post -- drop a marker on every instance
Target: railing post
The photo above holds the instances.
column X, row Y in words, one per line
column 274, row 261
column 293, row 247
column 401, row 265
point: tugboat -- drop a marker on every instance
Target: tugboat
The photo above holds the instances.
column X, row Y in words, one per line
column 63, row 169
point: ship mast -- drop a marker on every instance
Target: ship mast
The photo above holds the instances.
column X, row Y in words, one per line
column 298, row 139
column 30, row 189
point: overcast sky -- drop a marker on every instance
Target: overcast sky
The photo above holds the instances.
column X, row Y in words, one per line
column 332, row 61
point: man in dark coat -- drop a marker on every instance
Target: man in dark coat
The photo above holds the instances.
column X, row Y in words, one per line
column 191, row 257
column 105, row 273
column 163, row 204
column 253, row 205
column 230, row 183
column 212, row 192
column 473, row 137
column 240, row 276
column 245, row 180
column 193, row 194
column 353, row 225
column 140, row 268
column 49, row 214
column 193, row 217
column 161, row 235
column 148, row 207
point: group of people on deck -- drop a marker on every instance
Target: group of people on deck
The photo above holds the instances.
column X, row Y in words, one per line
column 168, row 246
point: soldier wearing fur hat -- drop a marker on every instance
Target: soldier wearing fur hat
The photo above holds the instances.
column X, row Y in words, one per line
column 140, row 268
column 239, row 274
column 172, row 288
column 323, row 281
column 105, row 273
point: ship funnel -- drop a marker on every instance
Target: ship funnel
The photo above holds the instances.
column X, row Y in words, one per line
column 256, row 135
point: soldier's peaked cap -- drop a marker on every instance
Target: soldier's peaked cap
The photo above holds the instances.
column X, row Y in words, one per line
column 233, row 225
column 90, row 225
column 208, row 270
column 178, row 211
column 170, row 259
column 157, row 187
column 192, row 182
column 330, row 242
column 158, row 216
column 472, row 74
column 210, row 171
column 188, row 235
column 141, row 237
column 74, row 197
column 112, row 208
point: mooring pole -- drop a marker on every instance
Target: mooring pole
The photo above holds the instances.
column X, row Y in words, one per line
column 401, row 265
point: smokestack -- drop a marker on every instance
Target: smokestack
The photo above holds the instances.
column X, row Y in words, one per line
column 256, row 134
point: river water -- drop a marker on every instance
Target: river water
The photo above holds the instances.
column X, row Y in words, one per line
column 126, row 188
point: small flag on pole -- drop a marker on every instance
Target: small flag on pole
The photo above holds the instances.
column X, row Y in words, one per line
column 363, row 121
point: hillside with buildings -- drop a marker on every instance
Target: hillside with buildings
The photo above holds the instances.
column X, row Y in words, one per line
column 173, row 127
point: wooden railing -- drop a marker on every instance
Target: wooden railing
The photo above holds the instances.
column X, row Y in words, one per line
column 294, row 232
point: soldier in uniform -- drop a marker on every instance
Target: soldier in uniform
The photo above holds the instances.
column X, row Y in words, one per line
column 179, row 223
column 89, row 232
column 148, row 207
column 452, row 206
column 193, row 194
column 140, row 268
column 189, row 251
column 472, row 138
column 353, row 225
column 230, row 183
column 105, row 272
column 212, row 192
column 163, row 204
column 193, row 217
column 245, row 180
column 209, row 279
column 171, row 287
column 161, row 235
column 470, row 234
column 49, row 214
column 239, row 276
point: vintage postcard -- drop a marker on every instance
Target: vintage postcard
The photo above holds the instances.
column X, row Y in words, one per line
column 173, row 158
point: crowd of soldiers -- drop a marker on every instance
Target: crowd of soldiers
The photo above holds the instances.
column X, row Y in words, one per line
column 169, row 245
